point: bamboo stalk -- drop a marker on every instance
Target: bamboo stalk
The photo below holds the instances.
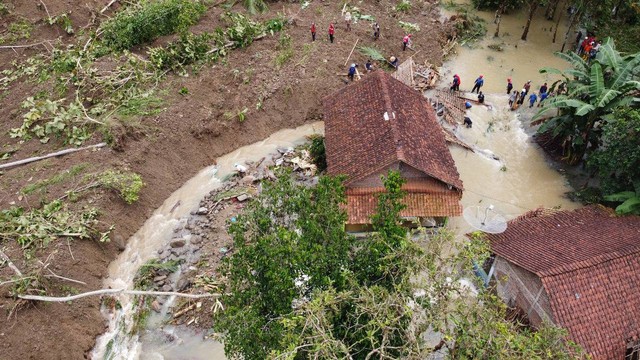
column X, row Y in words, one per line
column 114, row 292
column 351, row 53
column 55, row 154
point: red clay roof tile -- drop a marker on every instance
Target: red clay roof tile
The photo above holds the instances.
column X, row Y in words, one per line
column 589, row 263
column 359, row 141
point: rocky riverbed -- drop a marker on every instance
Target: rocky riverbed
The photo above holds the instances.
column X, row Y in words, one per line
column 189, row 262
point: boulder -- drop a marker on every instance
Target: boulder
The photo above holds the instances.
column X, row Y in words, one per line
column 178, row 243
column 202, row 211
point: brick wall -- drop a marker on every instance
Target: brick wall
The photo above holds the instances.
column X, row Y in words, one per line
column 523, row 289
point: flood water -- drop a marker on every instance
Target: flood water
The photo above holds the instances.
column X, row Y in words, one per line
column 520, row 60
column 521, row 180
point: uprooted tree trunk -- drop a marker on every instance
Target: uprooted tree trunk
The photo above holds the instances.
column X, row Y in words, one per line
column 114, row 292
column 533, row 6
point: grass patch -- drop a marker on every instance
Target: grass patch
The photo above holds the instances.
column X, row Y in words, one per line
column 57, row 179
column 285, row 50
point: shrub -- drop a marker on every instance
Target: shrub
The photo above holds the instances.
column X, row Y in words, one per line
column 188, row 49
column 127, row 184
column 139, row 25
column 317, row 151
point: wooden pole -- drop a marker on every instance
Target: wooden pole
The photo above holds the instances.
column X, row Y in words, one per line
column 114, row 292
column 58, row 153
column 349, row 57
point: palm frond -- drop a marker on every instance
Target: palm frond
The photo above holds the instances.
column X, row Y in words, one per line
column 574, row 59
column 371, row 52
column 596, row 86
column 625, row 71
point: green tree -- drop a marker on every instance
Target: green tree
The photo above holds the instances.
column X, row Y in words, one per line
column 297, row 287
column 595, row 90
column 291, row 239
column 617, row 161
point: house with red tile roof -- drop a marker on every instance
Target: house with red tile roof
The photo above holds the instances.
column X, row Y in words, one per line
column 380, row 124
column 579, row 270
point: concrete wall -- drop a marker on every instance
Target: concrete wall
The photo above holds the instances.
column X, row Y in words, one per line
column 523, row 289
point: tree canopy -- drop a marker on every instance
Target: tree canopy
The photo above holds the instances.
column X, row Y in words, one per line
column 299, row 286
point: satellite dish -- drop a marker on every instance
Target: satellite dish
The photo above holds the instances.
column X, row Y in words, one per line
column 485, row 219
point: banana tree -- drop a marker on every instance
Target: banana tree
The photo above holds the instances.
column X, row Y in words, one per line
column 630, row 201
column 595, row 89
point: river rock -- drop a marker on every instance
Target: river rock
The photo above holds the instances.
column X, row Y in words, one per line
column 178, row 243
column 155, row 305
column 167, row 288
column 183, row 283
column 196, row 240
column 242, row 197
column 202, row 211
column 248, row 180
column 159, row 278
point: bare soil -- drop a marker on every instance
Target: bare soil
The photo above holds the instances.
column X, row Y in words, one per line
column 169, row 148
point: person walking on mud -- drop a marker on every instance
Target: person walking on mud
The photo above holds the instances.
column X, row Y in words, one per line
column 313, row 31
column 532, row 99
column 406, row 42
column 376, row 31
column 509, row 86
column 526, row 87
column 512, row 98
column 455, row 86
column 332, row 30
column 347, row 20
column 478, row 83
column 352, row 71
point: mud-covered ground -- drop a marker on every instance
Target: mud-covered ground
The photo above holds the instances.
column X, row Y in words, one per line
column 170, row 147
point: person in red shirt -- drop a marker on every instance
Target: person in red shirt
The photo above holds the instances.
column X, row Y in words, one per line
column 406, row 41
column 313, row 31
column 332, row 30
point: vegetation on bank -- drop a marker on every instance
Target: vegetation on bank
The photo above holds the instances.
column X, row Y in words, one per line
column 598, row 120
column 298, row 286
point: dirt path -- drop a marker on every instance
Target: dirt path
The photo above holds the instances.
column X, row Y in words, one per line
column 169, row 148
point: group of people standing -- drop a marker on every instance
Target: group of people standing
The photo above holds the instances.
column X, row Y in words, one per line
column 347, row 20
column 517, row 98
column 588, row 47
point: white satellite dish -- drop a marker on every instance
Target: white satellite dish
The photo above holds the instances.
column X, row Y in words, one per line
column 485, row 219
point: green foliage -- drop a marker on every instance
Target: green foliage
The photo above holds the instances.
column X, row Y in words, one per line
column 188, row 49
column 17, row 30
column 149, row 20
column 64, row 21
column 298, row 285
column 285, row 52
column 143, row 279
column 38, row 227
column 317, row 151
column 508, row 5
column 371, row 53
column 126, row 184
column 255, row 6
column 403, row 6
column 409, row 27
column 47, row 118
column 630, row 201
column 70, row 173
column 471, row 29
column 242, row 30
column 291, row 239
column 617, row 161
column 592, row 96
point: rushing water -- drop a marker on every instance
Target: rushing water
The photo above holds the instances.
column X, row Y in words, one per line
column 520, row 180
column 157, row 231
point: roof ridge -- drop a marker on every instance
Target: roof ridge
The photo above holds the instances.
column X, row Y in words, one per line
column 388, row 105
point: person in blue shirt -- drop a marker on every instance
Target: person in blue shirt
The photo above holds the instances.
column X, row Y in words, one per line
column 352, row 71
column 532, row 99
column 543, row 96
column 478, row 84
